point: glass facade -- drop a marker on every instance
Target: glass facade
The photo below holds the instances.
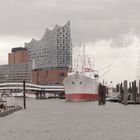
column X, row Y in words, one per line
column 53, row 50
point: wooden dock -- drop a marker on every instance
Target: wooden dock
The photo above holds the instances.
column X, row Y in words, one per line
column 9, row 110
column 129, row 94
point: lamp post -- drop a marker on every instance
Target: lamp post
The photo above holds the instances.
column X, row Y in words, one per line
column 24, row 96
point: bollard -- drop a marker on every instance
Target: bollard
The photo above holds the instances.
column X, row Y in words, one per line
column 125, row 101
column 117, row 88
column 139, row 92
column 134, row 91
column 121, row 93
column 130, row 92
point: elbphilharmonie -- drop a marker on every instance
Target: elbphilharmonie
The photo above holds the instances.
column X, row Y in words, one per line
column 47, row 60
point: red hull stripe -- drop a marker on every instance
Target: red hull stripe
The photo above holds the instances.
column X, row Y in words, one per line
column 81, row 97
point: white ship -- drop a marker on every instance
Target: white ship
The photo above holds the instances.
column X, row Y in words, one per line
column 82, row 85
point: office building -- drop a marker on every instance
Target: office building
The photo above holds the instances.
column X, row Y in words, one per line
column 18, row 55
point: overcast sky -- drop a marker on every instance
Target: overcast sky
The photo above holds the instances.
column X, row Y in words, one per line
column 109, row 28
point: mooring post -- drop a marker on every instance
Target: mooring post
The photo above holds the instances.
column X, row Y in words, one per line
column 118, row 88
column 44, row 95
column 24, row 96
column 130, row 91
column 139, row 91
column 121, row 92
column 125, row 101
column 135, row 92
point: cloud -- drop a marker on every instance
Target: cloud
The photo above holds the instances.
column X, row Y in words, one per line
column 126, row 40
column 90, row 20
column 6, row 43
column 123, row 63
column 110, row 29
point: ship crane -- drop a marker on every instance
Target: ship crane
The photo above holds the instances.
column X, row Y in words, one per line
column 106, row 67
column 102, row 75
column 105, row 72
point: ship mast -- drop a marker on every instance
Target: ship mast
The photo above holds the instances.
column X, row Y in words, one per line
column 84, row 58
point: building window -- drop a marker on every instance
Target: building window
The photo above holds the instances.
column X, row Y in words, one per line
column 62, row 74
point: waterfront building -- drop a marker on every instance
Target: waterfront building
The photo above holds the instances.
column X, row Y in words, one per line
column 18, row 55
column 44, row 77
column 51, row 56
column 18, row 67
column 15, row 72
column 44, row 61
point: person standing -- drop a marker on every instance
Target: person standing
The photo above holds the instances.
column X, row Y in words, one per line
column 101, row 94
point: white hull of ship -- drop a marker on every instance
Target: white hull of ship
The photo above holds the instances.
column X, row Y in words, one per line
column 80, row 87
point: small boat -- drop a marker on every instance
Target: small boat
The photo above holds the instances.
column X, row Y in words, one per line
column 17, row 94
column 114, row 97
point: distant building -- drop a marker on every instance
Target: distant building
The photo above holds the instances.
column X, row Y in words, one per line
column 18, row 68
column 51, row 56
column 15, row 73
column 44, row 61
column 18, row 55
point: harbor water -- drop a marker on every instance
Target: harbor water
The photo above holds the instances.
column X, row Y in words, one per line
column 56, row 119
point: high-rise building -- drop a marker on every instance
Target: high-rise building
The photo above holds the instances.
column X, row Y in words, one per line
column 18, row 67
column 51, row 56
column 53, row 50
column 18, row 55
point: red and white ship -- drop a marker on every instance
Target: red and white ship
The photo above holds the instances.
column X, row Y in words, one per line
column 81, row 84
column 81, row 87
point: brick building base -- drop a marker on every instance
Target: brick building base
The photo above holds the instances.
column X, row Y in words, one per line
column 45, row 77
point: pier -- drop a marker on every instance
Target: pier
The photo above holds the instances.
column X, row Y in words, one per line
column 44, row 119
column 9, row 110
column 40, row 91
column 129, row 92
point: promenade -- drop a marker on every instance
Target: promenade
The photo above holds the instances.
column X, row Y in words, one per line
column 56, row 119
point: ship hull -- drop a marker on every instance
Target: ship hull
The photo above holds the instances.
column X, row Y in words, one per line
column 81, row 97
column 80, row 88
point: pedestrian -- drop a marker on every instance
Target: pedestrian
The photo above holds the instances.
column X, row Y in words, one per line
column 104, row 94
column 2, row 107
column 101, row 94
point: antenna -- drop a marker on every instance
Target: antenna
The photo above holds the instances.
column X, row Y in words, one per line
column 84, row 54
column 103, row 74
column 84, row 61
